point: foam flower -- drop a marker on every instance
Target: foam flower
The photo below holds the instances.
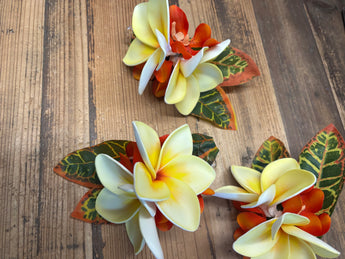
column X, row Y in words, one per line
column 279, row 181
column 118, row 203
column 192, row 76
column 151, row 26
column 170, row 176
column 281, row 237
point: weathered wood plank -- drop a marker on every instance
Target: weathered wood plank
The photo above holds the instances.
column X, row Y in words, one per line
column 21, row 37
column 326, row 21
column 300, row 81
column 64, row 128
column 305, row 65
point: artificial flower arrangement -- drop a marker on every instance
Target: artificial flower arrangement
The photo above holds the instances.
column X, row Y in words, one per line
column 158, row 182
column 187, row 72
column 285, row 205
column 155, row 182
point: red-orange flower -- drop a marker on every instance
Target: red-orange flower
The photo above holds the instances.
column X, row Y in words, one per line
column 180, row 41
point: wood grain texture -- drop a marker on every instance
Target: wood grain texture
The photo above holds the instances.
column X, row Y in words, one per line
column 305, row 57
column 63, row 86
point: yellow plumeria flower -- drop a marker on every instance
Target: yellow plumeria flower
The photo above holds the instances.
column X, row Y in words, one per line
column 193, row 76
column 281, row 238
column 170, row 175
column 151, row 26
column 279, row 181
column 118, row 203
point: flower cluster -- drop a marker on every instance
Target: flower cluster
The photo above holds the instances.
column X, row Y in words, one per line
column 162, row 48
column 156, row 184
column 278, row 217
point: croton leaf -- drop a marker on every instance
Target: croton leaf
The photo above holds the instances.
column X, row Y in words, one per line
column 86, row 208
column 204, row 147
column 324, row 156
column 237, row 67
column 79, row 166
column 272, row 149
column 215, row 106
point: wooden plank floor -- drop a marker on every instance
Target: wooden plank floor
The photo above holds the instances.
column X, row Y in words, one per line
column 63, row 86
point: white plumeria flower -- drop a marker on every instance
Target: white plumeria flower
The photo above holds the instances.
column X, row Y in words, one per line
column 281, row 238
column 170, row 175
column 118, row 203
column 151, row 26
column 193, row 76
column 279, row 181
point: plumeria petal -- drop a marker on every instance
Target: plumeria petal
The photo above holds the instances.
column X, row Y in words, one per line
column 288, row 219
column 187, row 67
column 178, row 143
column 148, row 144
column 166, row 49
column 134, row 234
column 158, row 12
column 149, row 231
column 319, row 247
column 248, row 178
column 213, row 52
column 280, row 250
column 149, row 68
column 182, row 208
column 128, row 188
column 150, row 207
column 300, row 249
column 235, row 193
column 256, row 241
column 274, row 170
column 147, row 189
column 177, row 86
column 137, row 53
column 112, row 174
column 116, row 208
column 287, row 186
column 192, row 170
column 265, row 198
column 189, row 102
column 141, row 26
column 208, row 76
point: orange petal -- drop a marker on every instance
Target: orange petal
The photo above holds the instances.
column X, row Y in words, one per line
column 126, row 162
column 238, row 232
column 210, row 42
column 163, row 138
column 293, row 205
column 315, row 226
column 325, row 222
column 158, row 89
column 313, row 200
column 202, row 34
column 178, row 47
column 201, row 203
column 163, row 74
column 208, row 191
column 137, row 71
column 177, row 15
column 162, row 222
column 248, row 220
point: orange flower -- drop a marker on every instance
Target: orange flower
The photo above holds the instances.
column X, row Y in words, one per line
column 180, row 42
